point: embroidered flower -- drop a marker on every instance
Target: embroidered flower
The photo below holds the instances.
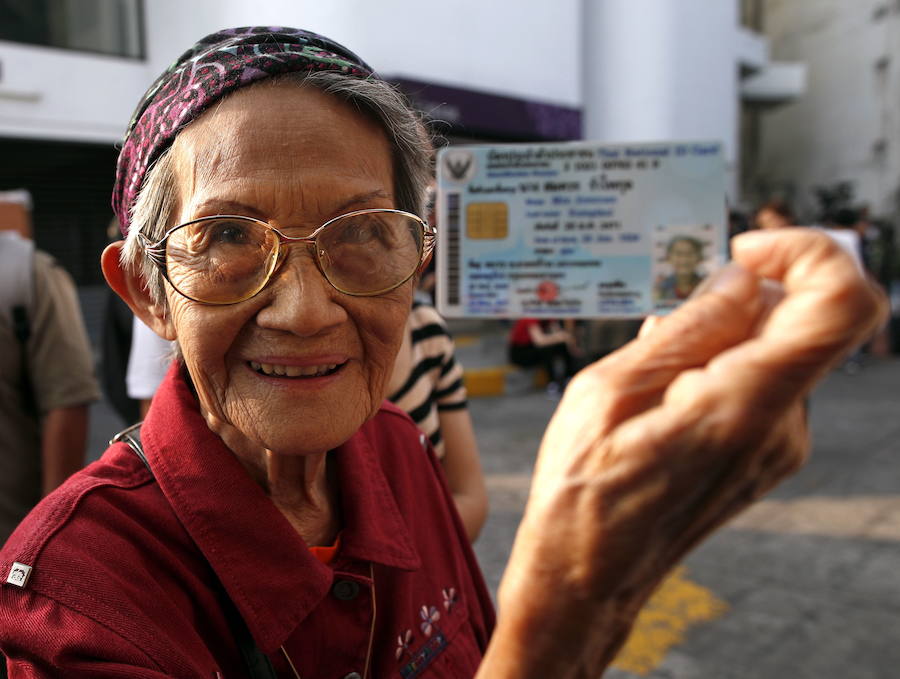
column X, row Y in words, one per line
column 429, row 615
column 403, row 642
column 449, row 598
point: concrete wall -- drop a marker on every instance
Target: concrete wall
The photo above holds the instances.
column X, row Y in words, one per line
column 657, row 69
column 531, row 52
column 641, row 69
column 846, row 126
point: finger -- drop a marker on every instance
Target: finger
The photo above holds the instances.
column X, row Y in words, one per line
column 648, row 325
column 814, row 270
column 636, row 377
column 829, row 308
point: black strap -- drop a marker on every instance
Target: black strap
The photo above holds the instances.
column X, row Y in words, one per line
column 257, row 663
column 20, row 323
column 22, row 331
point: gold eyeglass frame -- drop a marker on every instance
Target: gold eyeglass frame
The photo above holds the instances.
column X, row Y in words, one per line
column 156, row 252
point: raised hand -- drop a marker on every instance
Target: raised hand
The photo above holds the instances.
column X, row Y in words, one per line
column 654, row 447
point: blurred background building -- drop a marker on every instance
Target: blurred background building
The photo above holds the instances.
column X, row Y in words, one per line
column 611, row 70
column 800, row 92
column 843, row 135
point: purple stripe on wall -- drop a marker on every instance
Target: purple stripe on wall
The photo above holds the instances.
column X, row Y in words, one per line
column 476, row 113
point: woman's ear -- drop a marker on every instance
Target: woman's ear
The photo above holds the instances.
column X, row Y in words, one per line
column 132, row 289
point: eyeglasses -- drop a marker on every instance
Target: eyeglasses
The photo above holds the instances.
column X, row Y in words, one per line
column 226, row 259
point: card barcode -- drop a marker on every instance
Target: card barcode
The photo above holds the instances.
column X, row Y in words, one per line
column 453, row 230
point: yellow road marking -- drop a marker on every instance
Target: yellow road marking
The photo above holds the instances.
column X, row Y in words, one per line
column 466, row 340
column 664, row 620
column 485, row 381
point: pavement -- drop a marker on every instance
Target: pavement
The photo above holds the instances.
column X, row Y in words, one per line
column 804, row 585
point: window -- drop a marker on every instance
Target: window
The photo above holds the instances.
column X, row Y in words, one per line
column 104, row 26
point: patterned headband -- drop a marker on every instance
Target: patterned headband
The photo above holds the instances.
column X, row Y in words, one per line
column 217, row 65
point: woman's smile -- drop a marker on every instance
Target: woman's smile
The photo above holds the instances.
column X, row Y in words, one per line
column 305, row 371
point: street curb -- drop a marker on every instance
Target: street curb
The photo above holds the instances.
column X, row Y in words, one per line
column 502, row 380
column 485, row 381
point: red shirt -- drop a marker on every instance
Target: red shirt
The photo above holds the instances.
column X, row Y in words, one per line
column 125, row 567
column 520, row 336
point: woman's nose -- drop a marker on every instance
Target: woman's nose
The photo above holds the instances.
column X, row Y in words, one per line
column 301, row 300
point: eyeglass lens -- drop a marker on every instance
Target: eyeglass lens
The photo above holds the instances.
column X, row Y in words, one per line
column 229, row 259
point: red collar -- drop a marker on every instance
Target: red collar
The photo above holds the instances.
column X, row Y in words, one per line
column 260, row 559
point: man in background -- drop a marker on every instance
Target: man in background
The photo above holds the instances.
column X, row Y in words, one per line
column 46, row 369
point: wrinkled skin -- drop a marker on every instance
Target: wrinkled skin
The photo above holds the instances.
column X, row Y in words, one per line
column 296, row 172
column 296, row 158
column 654, row 447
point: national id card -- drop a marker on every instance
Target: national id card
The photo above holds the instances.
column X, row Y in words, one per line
column 577, row 230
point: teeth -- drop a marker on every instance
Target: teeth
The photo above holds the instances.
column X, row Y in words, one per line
column 292, row 370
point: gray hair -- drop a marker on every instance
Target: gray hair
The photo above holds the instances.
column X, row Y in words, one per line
column 154, row 210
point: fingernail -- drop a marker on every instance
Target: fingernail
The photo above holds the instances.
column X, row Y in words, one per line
column 647, row 326
column 718, row 280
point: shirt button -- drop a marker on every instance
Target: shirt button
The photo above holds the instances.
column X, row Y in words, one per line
column 346, row 590
column 353, row 675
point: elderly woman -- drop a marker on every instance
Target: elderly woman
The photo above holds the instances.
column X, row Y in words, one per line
column 276, row 517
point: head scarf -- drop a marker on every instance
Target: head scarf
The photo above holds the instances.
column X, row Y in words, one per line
column 217, row 65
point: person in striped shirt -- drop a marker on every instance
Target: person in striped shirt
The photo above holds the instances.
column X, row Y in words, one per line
column 427, row 383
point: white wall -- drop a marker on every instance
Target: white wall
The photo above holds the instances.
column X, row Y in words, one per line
column 642, row 69
column 831, row 134
column 528, row 49
column 658, row 69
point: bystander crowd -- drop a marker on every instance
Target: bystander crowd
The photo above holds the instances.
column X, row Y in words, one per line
column 46, row 369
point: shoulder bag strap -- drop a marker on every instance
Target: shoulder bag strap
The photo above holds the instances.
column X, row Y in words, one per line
column 17, row 301
column 257, row 663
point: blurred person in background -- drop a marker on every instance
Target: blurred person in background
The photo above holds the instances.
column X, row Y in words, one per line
column 880, row 255
column 843, row 227
column 148, row 362
column 737, row 223
column 775, row 214
column 46, row 369
column 427, row 382
column 547, row 344
column 871, row 245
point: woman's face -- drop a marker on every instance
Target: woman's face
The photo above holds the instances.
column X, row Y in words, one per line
column 294, row 157
column 769, row 219
column 683, row 257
